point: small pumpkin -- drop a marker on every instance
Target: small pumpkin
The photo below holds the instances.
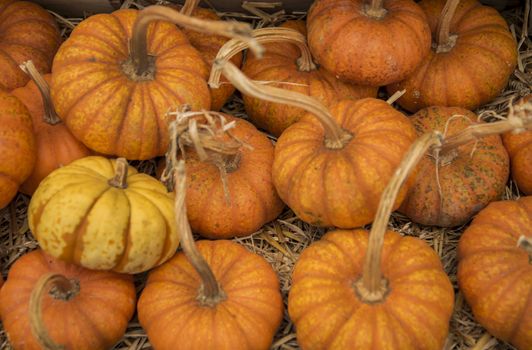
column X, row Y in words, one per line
column 472, row 57
column 56, row 146
column 75, row 307
column 519, row 147
column 451, row 187
column 17, row 146
column 368, row 42
column 217, row 295
column 29, row 32
column 101, row 214
column 494, row 270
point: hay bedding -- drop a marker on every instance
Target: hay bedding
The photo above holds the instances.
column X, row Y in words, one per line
column 282, row 241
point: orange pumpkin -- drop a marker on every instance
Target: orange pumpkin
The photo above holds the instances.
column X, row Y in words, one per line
column 464, row 180
column 368, row 42
column 472, row 58
column 84, row 309
column 17, row 146
column 494, row 270
column 56, row 146
column 29, row 32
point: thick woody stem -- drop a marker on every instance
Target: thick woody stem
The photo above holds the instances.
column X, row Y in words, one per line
column 210, row 292
column 60, row 288
column 263, row 36
column 50, row 116
column 372, row 287
column 120, row 178
column 189, row 7
column 445, row 41
column 375, row 9
column 335, row 136
column 525, row 243
column 139, row 49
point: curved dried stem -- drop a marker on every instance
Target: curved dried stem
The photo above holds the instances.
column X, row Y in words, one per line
column 189, row 6
column 60, row 288
column 263, row 36
column 445, row 41
column 335, row 136
column 372, row 287
column 50, row 115
column 120, row 178
column 139, row 50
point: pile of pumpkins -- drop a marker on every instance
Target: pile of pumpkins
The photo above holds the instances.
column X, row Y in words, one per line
column 105, row 98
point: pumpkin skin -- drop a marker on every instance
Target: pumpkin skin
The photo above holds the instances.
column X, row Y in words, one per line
column 328, row 313
column 342, row 187
column 85, row 322
column 17, row 146
column 473, row 72
column 495, row 275
column 247, row 319
column 56, row 146
column 468, row 183
column 366, row 50
column 106, row 109
column 279, row 63
column 519, row 147
column 29, row 32
column 106, row 228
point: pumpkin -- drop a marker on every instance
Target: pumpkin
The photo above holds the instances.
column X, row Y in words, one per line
column 216, row 295
column 114, row 99
column 452, row 187
column 368, row 42
column 29, row 32
column 243, row 199
column 80, row 309
column 472, row 58
column 17, row 146
column 55, row 144
column 287, row 63
column 101, row 214
column 494, row 270
column 519, row 147
column 358, row 290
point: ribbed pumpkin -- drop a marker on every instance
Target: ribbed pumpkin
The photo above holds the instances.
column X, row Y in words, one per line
column 115, row 101
column 494, row 270
column 56, row 146
column 84, row 309
column 472, row 58
column 101, row 214
column 17, row 146
column 519, row 147
column 29, row 32
column 469, row 177
column 368, row 42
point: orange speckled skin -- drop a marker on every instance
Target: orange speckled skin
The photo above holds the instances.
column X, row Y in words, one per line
column 468, row 183
column 280, row 64
column 95, row 319
column 476, row 69
column 246, row 320
column 329, row 314
column 495, row 275
column 342, row 187
column 56, row 146
column 519, row 147
column 17, row 146
column 112, row 113
column 28, row 32
column 366, row 50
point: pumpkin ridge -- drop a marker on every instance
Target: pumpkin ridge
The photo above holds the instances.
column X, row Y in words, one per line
column 337, row 3
column 487, row 49
column 522, row 314
column 101, row 41
column 337, row 329
column 433, row 305
column 404, row 325
column 120, row 126
column 348, row 255
column 258, row 192
column 406, row 24
column 493, row 250
column 492, row 282
column 9, row 177
column 153, row 108
column 328, row 213
column 121, row 35
column 221, row 278
column 332, row 36
column 8, row 56
column 172, row 308
column 90, row 322
column 362, row 186
column 119, row 259
column 243, row 333
column 294, row 176
column 86, row 46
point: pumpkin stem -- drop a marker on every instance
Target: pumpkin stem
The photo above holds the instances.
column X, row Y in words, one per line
column 139, row 45
column 375, row 9
column 335, row 136
column 210, row 292
column 189, row 6
column 525, row 243
column 397, row 95
column 263, row 36
column 446, row 41
column 372, row 287
column 120, row 178
column 60, row 288
column 50, row 115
